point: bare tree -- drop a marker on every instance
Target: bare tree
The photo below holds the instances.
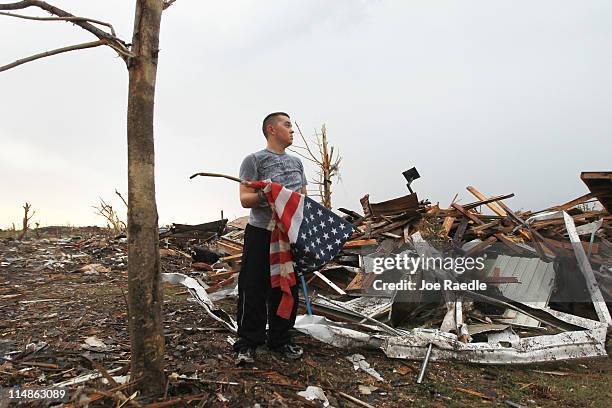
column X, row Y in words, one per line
column 26, row 220
column 329, row 167
column 111, row 216
column 144, row 278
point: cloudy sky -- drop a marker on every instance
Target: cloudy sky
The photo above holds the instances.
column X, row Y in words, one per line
column 507, row 96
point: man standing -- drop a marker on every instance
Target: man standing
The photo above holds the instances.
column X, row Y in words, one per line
column 257, row 300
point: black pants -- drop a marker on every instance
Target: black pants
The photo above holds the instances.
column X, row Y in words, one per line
column 257, row 300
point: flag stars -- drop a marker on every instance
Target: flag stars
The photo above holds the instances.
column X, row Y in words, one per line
column 326, row 236
column 319, row 212
column 322, row 224
column 338, row 242
column 315, row 229
column 329, row 247
column 308, row 204
column 304, row 236
column 331, row 220
column 318, row 241
column 342, row 226
column 345, row 235
column 334, row 231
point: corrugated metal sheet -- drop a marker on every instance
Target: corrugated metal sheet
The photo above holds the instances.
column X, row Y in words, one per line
column 537, row 279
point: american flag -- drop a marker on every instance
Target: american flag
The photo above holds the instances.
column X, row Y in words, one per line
column 305, row 236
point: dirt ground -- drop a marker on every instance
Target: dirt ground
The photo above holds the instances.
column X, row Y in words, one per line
column 56, row 303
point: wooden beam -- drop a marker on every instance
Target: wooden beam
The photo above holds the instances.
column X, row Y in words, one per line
column 487, row 201
column 491, row 205
column 481, row 246
column 574, row 202
column 360, row 242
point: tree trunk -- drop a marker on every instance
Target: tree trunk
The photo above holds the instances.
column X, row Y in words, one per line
column 145, row 289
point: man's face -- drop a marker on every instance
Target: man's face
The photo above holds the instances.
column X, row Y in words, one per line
column 282, row 131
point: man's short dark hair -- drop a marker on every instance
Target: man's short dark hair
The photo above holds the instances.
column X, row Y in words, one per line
column 268, row 120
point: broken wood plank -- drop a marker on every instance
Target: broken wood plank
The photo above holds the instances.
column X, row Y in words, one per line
column 480, row 228
column 481, row 246
column 460, row 231
column 330, row 283
column 232, row 258
column 360, row 242
column 503, row 211
column 487, row 201
column 491, row 205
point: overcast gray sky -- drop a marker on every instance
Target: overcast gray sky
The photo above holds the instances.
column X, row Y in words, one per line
column 507, row 96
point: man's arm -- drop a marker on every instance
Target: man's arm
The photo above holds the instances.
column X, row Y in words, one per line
column 249, row 197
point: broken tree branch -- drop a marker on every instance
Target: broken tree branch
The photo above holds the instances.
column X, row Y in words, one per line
column 168, row 3
column 115, row 43
column 306, row 144
column 217, row 175
column 90, row 20
column 51, row 53
column 121, row 197
column 302, row 155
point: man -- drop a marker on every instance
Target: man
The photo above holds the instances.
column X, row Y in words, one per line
column 257, row 300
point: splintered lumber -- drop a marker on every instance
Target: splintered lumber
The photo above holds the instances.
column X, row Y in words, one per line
column 221, row 284
column 360, row 242
column 481, row 246
column 365, row 205
column 468, row 214
column 480, row 228
column 237, row 258
column 329, row 282
column 460, row 231
column 486, row 201
column 491, row 205
column 449, row 220
column 569, row 246
column 572, row 203
column 229, row 246
column 357, row 282
column 352, row 213
column 222, row 275
column 503, row 211
column 448, row 224
column 498, row 236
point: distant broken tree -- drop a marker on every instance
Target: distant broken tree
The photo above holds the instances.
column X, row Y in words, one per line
column 329, row 167
column 26, row 220
column 144, row 276
column 112, row 217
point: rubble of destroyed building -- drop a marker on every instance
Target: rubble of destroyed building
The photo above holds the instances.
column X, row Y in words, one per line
column 547, row 274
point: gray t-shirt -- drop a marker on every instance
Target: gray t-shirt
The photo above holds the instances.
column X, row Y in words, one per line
column 283, row 169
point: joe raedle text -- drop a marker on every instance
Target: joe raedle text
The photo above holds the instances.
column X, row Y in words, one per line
column 446, row 285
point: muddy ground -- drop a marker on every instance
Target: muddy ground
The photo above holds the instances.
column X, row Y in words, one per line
column 44, row 297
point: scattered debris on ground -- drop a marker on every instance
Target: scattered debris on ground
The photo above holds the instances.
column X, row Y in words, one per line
column 62, row 297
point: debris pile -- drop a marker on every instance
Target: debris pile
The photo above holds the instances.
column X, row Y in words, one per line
column 546, row 273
